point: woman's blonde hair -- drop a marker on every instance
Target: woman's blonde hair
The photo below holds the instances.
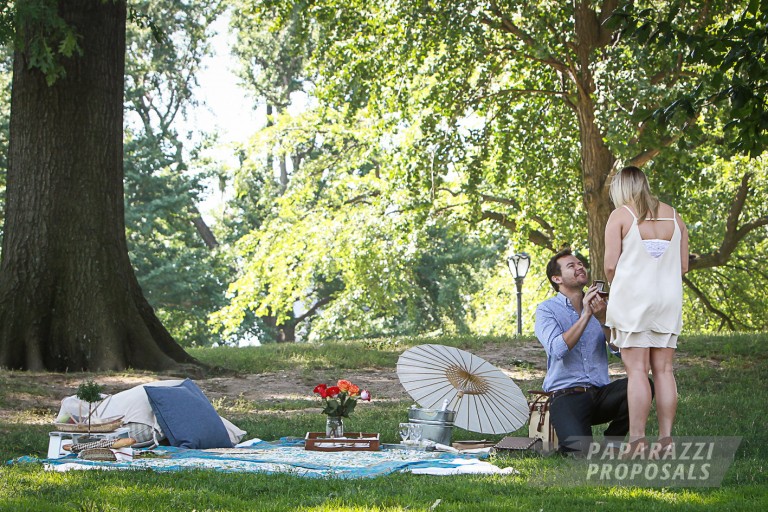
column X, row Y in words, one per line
column 630, row 187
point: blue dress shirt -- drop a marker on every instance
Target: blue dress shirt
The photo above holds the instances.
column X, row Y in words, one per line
column 586, row 364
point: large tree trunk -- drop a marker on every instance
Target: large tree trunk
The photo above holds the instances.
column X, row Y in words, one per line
column 596, row 164
column 596, row 158
column 69, row 299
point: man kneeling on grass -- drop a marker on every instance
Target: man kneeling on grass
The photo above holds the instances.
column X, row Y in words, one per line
column 570, row 327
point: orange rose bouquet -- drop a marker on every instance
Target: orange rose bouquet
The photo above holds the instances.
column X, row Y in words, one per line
column 340, row 400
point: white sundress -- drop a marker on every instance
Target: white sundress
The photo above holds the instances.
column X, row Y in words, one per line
column 645, row 308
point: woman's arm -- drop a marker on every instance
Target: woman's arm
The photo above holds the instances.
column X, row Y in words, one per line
column 613, row 237
column 684, row 256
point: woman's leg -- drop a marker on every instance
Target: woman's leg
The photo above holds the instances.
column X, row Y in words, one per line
column 636, row 362
column 666, row 388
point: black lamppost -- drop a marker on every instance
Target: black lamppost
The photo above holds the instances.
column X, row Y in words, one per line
column 519, row 264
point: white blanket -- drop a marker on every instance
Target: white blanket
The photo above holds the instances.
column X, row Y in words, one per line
column 134, row 406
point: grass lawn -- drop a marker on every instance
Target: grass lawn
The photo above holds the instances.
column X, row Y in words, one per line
column 721, row 382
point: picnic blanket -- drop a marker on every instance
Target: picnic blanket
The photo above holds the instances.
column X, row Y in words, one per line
column 287, row 456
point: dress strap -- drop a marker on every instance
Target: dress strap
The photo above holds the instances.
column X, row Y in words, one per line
column 673, row 217
column 630, row 211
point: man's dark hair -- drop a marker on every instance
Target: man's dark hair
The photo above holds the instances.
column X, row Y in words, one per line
column 553, row 267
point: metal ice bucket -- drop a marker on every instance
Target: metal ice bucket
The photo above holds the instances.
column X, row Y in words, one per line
column 436, row 425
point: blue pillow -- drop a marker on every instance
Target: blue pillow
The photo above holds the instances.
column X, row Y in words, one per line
column 187, row 417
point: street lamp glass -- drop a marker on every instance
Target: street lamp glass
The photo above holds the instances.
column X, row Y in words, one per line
column 519, row 264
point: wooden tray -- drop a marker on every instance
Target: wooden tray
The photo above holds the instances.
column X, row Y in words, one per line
column 351, row 442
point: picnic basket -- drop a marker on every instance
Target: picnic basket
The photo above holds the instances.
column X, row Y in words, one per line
column 97, row 427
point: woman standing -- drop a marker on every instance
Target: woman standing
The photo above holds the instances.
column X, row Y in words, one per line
column 646, row 255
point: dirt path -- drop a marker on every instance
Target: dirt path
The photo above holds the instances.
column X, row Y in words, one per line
column 526, row 364
column 36, row 396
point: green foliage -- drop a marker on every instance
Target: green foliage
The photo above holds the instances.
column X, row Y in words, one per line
column 346, row 241
column 472, row 113
column 407, row 271
column 89, row 391
column 436, row 138
column 274, row 54
column 164, row 244
column 6, row 21
column 35, row 29
column 728, row 297
column 163, row 176
column 726, row 46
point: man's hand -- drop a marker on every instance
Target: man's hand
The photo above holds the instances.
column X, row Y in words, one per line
column 593, row 304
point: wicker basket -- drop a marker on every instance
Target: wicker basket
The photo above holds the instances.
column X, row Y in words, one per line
column 103, row 425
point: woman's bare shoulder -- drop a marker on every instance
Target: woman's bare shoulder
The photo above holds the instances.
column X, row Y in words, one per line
column 620, row 213
column 665, row 210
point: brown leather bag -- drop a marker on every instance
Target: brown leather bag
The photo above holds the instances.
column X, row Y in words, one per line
column 539, row 425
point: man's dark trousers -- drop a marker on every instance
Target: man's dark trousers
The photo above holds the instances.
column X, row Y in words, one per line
column 573, row 414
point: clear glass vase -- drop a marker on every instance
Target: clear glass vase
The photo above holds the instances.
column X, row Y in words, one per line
column 334, row 426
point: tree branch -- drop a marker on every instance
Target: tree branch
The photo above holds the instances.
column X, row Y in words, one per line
column 534, row 236
column 725, row 319
column 203, row 230
column 643, row 158
column 733, row 234
column 605, row 36
column 520, row 92
column 542, row 239
column 646, row 156
column 311, row 311
column 549, row 230
column 502, row 200
column 362, row 198
column 509, row 27
column 537, row 237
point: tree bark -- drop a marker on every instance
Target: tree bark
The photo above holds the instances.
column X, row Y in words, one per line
column 69, row 299
column 596, row 158
column 283, row 333
column 596, row 164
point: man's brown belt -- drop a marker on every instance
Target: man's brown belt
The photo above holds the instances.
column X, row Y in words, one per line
column 568, row 391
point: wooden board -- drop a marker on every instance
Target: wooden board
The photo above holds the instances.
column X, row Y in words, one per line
column 352, row 441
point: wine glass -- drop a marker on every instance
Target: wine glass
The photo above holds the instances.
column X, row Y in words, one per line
column 405, row 431
column 415, row 433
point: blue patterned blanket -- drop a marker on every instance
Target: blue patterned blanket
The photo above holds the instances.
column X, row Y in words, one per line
column 285, row 456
